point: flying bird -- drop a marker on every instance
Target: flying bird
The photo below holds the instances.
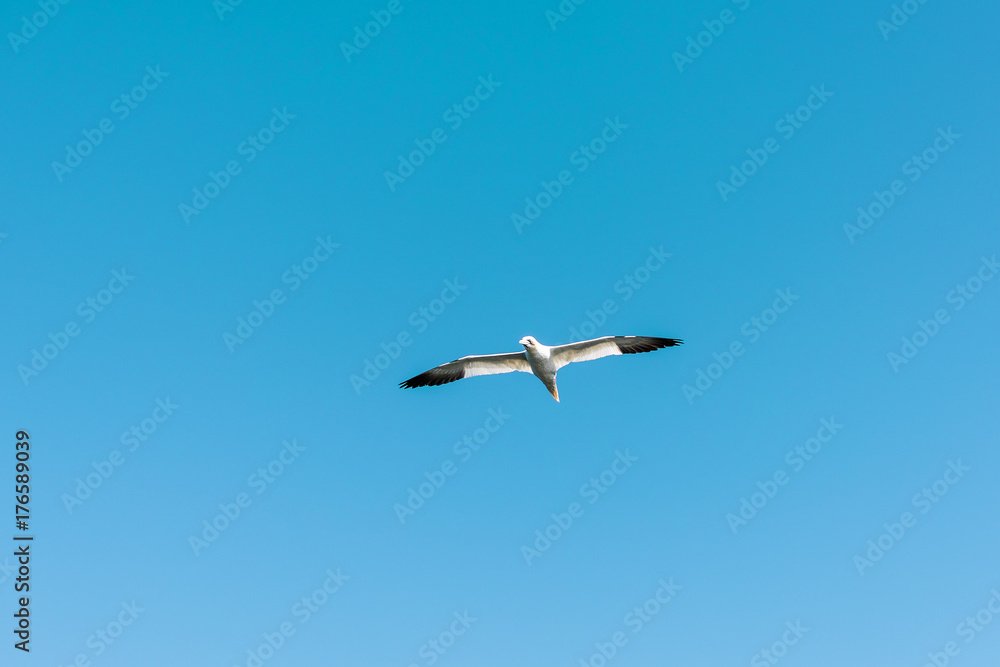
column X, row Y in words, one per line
column 541, row 360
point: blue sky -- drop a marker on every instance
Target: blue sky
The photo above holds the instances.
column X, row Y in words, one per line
column 245, row 254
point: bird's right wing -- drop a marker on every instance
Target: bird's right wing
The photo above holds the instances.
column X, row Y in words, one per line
column 607, row 346
column 466, row 367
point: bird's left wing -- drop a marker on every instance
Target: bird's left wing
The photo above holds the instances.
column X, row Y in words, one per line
column 482, row 364
column 607, row 346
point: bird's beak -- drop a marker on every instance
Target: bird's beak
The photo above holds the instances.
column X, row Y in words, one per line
column 523, row 341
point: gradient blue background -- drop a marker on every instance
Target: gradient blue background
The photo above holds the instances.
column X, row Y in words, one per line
column 333, row 508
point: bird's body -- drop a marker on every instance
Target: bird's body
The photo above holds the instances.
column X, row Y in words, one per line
column 542, row 365
column 540, row 360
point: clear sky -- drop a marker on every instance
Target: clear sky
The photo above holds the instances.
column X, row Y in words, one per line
column 231, row 230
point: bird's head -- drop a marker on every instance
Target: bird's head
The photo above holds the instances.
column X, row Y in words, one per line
column 528, row 342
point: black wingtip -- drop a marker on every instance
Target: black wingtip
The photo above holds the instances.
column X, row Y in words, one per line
column 668, row 342
column 432, row 378
column 413, row 382
column 639, row 344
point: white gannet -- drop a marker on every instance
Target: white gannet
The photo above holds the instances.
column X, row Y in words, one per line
column 541, row 360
